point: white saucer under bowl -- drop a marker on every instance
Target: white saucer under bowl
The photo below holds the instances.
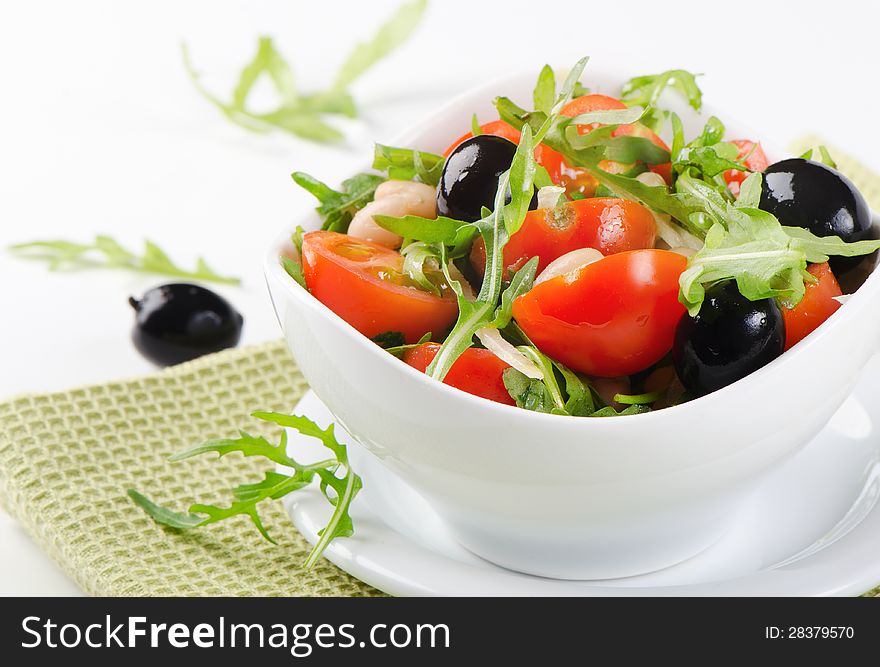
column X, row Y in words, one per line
column 811, row 528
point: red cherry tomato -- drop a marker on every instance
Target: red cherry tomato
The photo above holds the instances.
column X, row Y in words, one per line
column 477, row 371
column 817, row 305
column 365, row 285
column 544, row 155
column 756, row 161
column 588, row 103
column 608, row 225
column 616, row 317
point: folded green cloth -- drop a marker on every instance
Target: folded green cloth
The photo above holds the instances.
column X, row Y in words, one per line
column 67, row 458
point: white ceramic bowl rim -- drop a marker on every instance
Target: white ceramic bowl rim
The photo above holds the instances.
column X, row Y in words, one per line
column 857, row 301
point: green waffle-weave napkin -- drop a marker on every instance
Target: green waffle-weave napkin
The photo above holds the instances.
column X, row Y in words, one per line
column 67, row 458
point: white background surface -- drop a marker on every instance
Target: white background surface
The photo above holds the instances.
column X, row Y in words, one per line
column 102, row 132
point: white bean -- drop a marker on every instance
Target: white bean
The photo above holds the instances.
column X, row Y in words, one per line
column 395, row 199
column 422, row 198
column 363, row 226
column 569, row 263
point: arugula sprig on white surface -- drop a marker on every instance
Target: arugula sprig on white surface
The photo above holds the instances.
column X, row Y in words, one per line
column 105, row 252
column 338, row 482
column 303, row 115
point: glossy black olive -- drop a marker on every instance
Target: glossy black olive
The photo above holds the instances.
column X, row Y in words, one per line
column 803, row 193
column 178, row 322
column 470, row 177
column 728, row 339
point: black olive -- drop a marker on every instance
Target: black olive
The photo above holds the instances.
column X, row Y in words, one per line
column 803, row 193
column 470, row 177
column 178, row 322
column 728, row 339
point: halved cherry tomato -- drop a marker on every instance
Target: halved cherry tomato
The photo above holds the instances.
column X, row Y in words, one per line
column 615, row 317
column 365, row 285
column 606, row 224
column 817, row 305
column 544, row 155
column 588, row 103
column 476, row 371
column 756, row 161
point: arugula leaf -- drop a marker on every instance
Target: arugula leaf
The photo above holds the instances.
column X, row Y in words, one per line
column 545, row 90
column 713, row 133
column 338, row 208
column 646, row 90
column 624, row 149
column 639, row 399
column 431, row 230
column 710, row 161
column 475, row 126
column 579, row 90
column 302, row 115
column 757, row 253
column 580, row 401
column 398, row 350
column 750, row 246
column 529, row 393
column 294, row 270
column 655, row 197
column 274, row 485
column 269, row 61
column 826, row 157
column 677, row 136
column 610, row 116
column 391, row 34
column 297, row 238
column 344, row 488
column 545, row 364
column 546, row 396
column 389, row 339
column 105, row 252
column 167, row 517
column 750, row 192
column 406, row 164
column 292, row 115
column 609, row 411
column 819, row 248
column 418, row 255
column 523, row 280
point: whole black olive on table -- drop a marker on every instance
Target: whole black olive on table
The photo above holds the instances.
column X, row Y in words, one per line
column 470, row 177
column 803, row 193
column 178, row 322
column 729, row 338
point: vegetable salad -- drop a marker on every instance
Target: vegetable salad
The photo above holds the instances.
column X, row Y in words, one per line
column 566, row 259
